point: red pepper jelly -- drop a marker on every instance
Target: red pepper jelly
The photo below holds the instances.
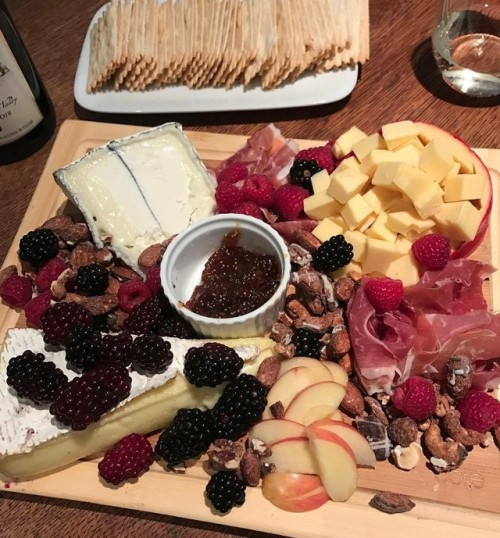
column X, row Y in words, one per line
column 235, row 281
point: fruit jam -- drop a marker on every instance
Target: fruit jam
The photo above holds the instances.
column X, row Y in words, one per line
column 235, row 281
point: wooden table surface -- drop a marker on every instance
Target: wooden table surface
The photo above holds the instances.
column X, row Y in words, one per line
column 399, row 82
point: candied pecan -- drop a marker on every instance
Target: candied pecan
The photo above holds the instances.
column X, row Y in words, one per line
column 167, row 241
column 340, row 342
column 291, row 291
column 76, row 233
column 225, row 455
column 287, row 350
column 329, row 298
column 7, row 272
column 317, row 324
column 250, row 468
column 260, row 448
column 454, row 428
column 377, row 410
column 116, row 320
column 446, row 455
column 299, row 255
column 315, row 305
column 295, row 309
column 268, row 371
column 346, row 363
column 353, row 403
column 281, row 333
column 391, row 503
column 113, row 286
column 151, row 255
column 403, row 431
column 308, row 281
column 58, row 222
column 124, row 273
column 104, row 256
column 96, row 305
column 443, row 404
column 82, row 254
column 307, row 240
column 458, row 376
column 58, row 287
column 64, row 254
column 344, row 289
column 277, row 410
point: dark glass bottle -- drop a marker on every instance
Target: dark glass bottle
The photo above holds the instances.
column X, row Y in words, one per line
column 27, row 118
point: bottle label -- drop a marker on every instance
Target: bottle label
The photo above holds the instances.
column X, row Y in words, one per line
column 19, row 112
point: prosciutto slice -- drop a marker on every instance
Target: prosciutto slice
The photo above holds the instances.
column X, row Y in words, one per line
column 444, row 314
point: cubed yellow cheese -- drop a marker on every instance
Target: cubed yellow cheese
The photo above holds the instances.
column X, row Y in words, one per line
column 326, row 229
column 411, row 181
column 403, row 222
column 461, row 153
column 414, row 141
column 350, row 162
column 396, row 134
column 403, row 244
column 455, row 170
column 379, row 229
column 464, row 187
column 344, row 143
column 405, row 269
column 319, row 206
column 351, row 267
column 385, row 173
column 436, row 159
column 363, row 226
column 408, row 155
column 380, row 198
column 365, row 145
column 374, row 158
column 355, row 211
column 358, row 242
column 339, row 221
column 379, row 255
column 459, row 220
column 401, row 204
column 347, row 184
column 429, row 201
column 320, row 181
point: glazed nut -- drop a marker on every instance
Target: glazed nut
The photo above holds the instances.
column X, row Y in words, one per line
column 392, row 503
column 447, row 455
column 113, row 286
column 407, row 457
column 315, row 305
column 317, row 324
column 76, row 233
column 151, row 256
column 344, row 289
column 346, row 363
column 7, row 272
column 284, row 318
column 268, row 371
column 444, row 402
column 376, row 409
column 353, row 403
column 308, row 282
column 225, row 455
column 295, row 309
column 82, row 254
column 285, row 350
column 104, row 256
column 281, row 333
column 58, row 222
column 403, row 431
column 124, row 273
column 167, row 242
column 307, row 240
column 59, row 285
column 96, row 305
column 260, row 448
column 454, row 428
column 339, row 343
column 299, row 255
column 277, row 410
column 250, row 468
column 458, row 376
column 116, row 320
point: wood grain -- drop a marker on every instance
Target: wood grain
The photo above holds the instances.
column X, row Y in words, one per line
column 400, row 81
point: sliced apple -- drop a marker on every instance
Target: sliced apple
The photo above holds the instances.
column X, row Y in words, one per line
column 292, row 455
column 337, row 415
column 318, row 368
column 336, row 463
column 315, row 402
column 294, row 492
column 287, row 386
column 275, row 429
column 338, row 373
column 362, row 450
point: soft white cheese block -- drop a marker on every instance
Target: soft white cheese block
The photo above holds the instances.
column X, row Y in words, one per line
column 140, row 190
column 24, row 425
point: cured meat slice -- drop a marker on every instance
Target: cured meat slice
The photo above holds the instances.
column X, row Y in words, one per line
column 287, row 229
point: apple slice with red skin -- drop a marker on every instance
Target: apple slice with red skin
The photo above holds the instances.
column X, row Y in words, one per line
column 336, row 463
column 362, row 450
column 337, row 415
column 339, row 375
column 315, row 402
column 292, row 455
column 294, row 492
column 473, row 164
column 319, row 370
column 273, row 430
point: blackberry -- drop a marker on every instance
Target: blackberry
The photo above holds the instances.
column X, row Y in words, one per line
column 101, row 323
column 225, row 490
column 34, row 378
column 189, row 436
column 38, row 246
column 92, row 279
column 239, row 407
column 307, row 344
column 86, row 398
column 117, row 348
column 59, row 318
column 144, row 316
column 173, row 325
column 151, row 354
column 211, row 364
column 333, row 254
column 82, row 347
column 302, row 171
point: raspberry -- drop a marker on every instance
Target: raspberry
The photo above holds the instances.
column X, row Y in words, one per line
column 259, row 190
column 322, row 155
column 301, row 173
column 143, row 317
column 92, row 279
column 151, row 354
column 129, row 458
column 248, row 208
column 228, row 196
column 432, row 251
column 36, row 307
column 38, row 246
column 48, row 273
column 225, row 490
column 233, row 173
column 384, row 293
column 153, row 281
column 86, row 398
column 416, row 398
column 132, row 293
column 59, row 318
column 289, row 201
column 116, row 348
column 16, row 291
column 333, row 254
column 211, row 364
column 479, row 411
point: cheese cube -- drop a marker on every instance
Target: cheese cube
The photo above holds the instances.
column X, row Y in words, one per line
column 412, row 181
column 455, row 170
column 379, row 229
column 326, row 229
column 365, row 145
column 402, row 222
column 374, row 158
column 347, row 184
column 344, row 143
column 320, row 205
column 385, row 173
column 363, row 226
column 401, row 204
column 414, row 141
column 429, row 201
column 339, row 221
column 437, row 159
column 459, row 220
column 320, row 181
column 460, row 152
column 405, row 269
column 379, row 255
column 358, row 242
column 409, row 155
column 464, row 187
column 396, row 134
column 403, row 244
column 350, row 162
column 351, row 267
column 380, row 199
column 355, row 211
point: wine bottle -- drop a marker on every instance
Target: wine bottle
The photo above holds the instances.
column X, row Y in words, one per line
column 27, row 118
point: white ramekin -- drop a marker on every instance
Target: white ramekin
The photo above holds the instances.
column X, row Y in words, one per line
column 185, row 259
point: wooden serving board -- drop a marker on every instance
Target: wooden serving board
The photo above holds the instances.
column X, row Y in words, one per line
column 464, row 503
